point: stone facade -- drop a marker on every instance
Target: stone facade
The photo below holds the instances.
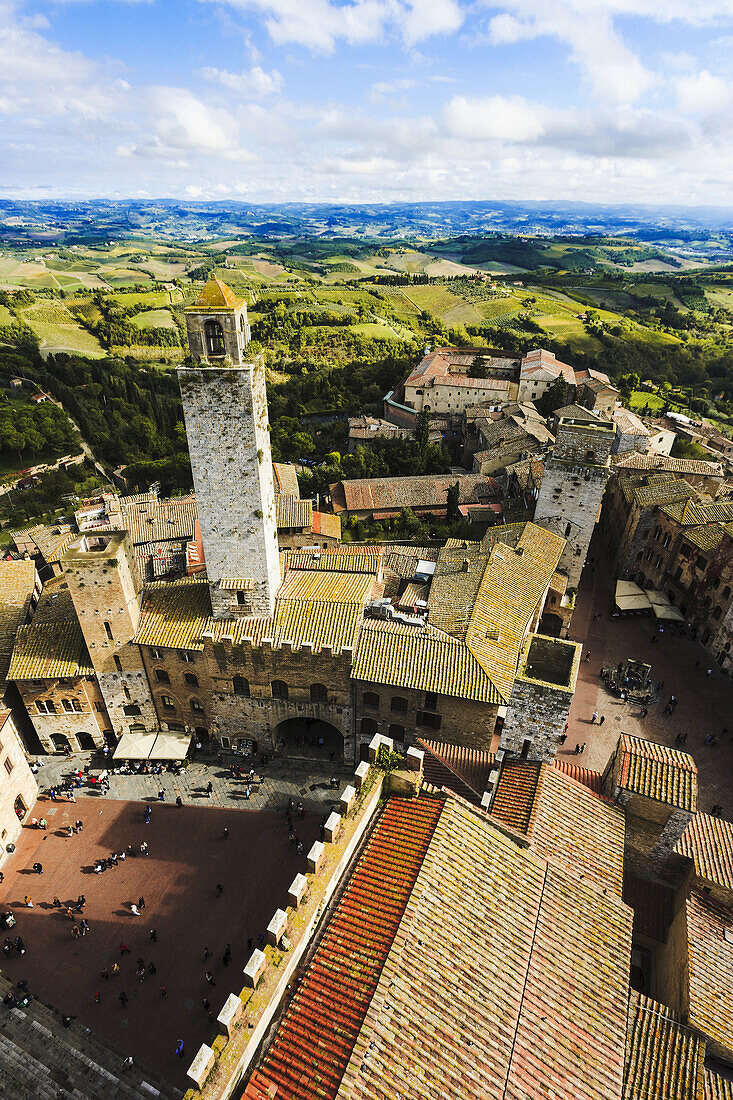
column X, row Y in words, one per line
column 66, row 712
column 569, row 501
column 225, row 410
column 539, row 705
column 18, row 787
column 105, row 585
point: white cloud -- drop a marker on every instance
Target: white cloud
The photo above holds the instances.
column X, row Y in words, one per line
column 703, row 93
column 494, row 118
column 254, row 83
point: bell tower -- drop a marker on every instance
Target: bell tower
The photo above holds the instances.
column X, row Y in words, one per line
column 225, row 410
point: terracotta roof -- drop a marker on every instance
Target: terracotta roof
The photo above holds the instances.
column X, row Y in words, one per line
column 413, row 592
column 174, row 615
column 315, row 1039
column 216, row 295
column 634, row 461
column 404, row 560
column 710, row 967
column 693, row 512
column 655, row 771
column 708, row 842
column 293, row 512
column 664, row 1060
column 655, row 492
column 577, row 412
column 627, row 423
column 528, row 470
column 17, row 585
column 515, row 794
column 160, row 520
column 422, row 658
column 378, row 494
column 337, row 559
column 653, row 905
column 52, row 540
column 709, row 536
column 285, row 478
column 592, row 780
column 716, row 1087
column 463, row 770
column 506, row 980
column 326, row 524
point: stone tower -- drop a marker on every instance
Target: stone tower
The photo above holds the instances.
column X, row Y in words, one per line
column 576, row 472
column 106, row 587
column 225, row 409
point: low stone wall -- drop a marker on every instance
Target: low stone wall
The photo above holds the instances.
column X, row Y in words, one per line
column 218, row 1070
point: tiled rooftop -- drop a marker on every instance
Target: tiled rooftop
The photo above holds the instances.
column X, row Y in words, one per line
column 285, row 478
column 708, row 842
column 716, row 1087
column 693, row 512
column 710, row 967
column 292, row 511
column 590, row 779
column 655, row 771
column 52, row 645
column 315, row 1039
column 216, row 295
column 664, row 1059
column 515, row 795
column 17, row 583
column 421, row 491
column 634, row 461
column 463, row 770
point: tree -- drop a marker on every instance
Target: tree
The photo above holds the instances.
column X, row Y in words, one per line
column 554, row 397
column 452, row 512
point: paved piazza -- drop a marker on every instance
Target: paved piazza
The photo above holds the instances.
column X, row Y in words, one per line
column 188, row 857
column 705, row 702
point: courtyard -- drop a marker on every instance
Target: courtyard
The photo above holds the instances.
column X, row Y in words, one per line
column 705, row 701
column 189, row 856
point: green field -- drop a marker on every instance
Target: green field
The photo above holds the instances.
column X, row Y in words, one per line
column 153, row 318
column 58, row 330
column 6, row 317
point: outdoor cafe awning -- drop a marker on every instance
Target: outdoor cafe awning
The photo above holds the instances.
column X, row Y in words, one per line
column 170, row 746
column 662, row 607
column 135, row 746
column 630, row 597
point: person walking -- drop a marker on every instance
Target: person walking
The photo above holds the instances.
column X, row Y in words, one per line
column 227, row 954
column 123, row 999
column 134, row 910
column 153, row 935
column 163, row 991
column 209, row 788
column 226, row 831
column 179, row 1045
column 594, row 718
column 105, row 973
column 27, row 902
column 141, row 902
column 219, row 889
column 56, row 903
column 207, row 954
column 210, row 978
column 115, row 968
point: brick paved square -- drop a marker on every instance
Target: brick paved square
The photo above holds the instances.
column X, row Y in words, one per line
column 188, row 856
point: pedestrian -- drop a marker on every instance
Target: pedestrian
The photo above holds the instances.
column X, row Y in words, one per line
column 75, row 932
column 79, row 826
column 123, row 999
column 27, row 902
column 179, row 800
column 56, row 903
column 576, row 750
column 584, row 746
column 206, row 1004
column 227, row 955
column 163, row 991
column 226, row 831
column 299, row 848
column 152, row 968
column 602, row 720
column 124, row 949
column 134, row 909
column 161, row 795
column 594, row 718
column 587, row 656
column 709, row 672
column 141, row 902
column 84, row 927
column 115, row 968
column 105, row 973
column 127, row 1062
column 144, row 848
column 210, row 978
column 153, row 935
column 209, row 788
column 179, row 1045
column 207, row 954
column 96, row 998
column 219, row 889
column 38, row 868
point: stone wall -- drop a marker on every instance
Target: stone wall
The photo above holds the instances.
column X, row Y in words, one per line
column 569, row 502
column 535, row 717
column 16, row 782
column 79, row 726
column 225, row 410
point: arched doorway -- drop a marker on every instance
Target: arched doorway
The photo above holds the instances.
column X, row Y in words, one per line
column 551, row 625
column 60, row 742
column 85, row 739
column 309, row 737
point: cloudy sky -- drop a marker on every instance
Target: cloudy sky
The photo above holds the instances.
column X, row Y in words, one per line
column 368, row 100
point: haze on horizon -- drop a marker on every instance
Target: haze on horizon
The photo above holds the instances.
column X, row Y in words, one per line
column 368, row 101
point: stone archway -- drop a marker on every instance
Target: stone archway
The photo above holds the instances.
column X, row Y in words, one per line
column 551, row 624
column 309, row 737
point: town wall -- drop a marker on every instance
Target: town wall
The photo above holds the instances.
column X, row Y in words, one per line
column 17, row 782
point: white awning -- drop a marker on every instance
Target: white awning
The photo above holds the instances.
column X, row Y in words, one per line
column 662, row 607
column 172, row 745
column 134, row 746
column 629, row 597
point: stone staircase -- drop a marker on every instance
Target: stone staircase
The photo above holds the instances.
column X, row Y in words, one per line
column 41, row 1060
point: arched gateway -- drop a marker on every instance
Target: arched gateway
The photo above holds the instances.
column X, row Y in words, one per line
column 311, row 737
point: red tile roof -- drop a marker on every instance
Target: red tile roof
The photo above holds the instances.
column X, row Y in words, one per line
column 515, row 794
column 313, row 1044
column 589, row 779
column 464, row 771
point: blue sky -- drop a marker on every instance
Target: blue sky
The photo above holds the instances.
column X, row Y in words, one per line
column 368, row 100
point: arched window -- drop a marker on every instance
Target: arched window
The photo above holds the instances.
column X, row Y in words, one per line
column 279, row 689
column 118, row 663
column 397, row 733
column 197, row 706
column 191, row 679
column 108, row 631
column 369, row 727
column 214, row 335
column 241, row 686
column 718, row 612
column 371, row 699
column 590, row 456
column 167, row 702
column 398, row 704
column 162, row 676
column 319, row 693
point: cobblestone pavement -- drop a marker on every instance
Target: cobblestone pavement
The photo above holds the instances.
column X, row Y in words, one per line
column 705, row 701
column 302, row 779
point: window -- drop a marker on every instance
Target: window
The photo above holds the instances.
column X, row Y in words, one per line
column 167, row 702
column 41, row 706
column 241, row 599
column 197, row 706
column 398, row 704
column 8, row 765
column 126, row 691
column 429, row 721
column 214, row 338
column 369, row 727
column 186, row 656
column 162, row 676
column 66, row 703
column 279, row 689
column 319, row 693
column 191, row 679
column 397, row 733
column 241, row 686
column 155, row 654
column 131, row 711
column 431, row 700
column 108, row 631
column 50, row 706
column 568, row 529
column 371, row 699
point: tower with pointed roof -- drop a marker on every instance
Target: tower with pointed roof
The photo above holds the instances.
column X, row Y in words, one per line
column 225, row 409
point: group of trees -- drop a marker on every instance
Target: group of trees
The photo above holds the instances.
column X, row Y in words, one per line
column 28, row 430
column 115, row 328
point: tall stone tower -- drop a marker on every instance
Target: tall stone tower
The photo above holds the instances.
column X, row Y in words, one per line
column 576, row 472
column 225, row 409
column 106, row 587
